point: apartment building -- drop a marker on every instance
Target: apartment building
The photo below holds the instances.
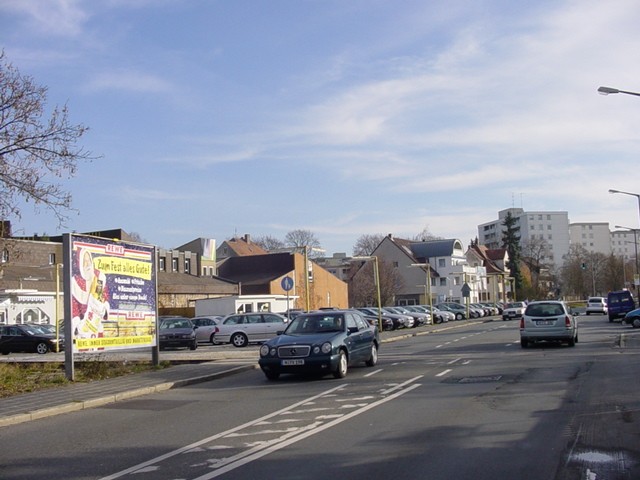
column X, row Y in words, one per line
column 548, row 226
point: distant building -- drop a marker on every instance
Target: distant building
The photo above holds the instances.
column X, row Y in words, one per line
column 594, row 237
column 550, row 227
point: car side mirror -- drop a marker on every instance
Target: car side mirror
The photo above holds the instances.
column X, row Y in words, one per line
column 352, row 330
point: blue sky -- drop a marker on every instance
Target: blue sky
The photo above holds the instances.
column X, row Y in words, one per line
column 342, row 117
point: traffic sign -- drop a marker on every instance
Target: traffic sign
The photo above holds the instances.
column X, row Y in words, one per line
column 466, row 290
column 286, row 283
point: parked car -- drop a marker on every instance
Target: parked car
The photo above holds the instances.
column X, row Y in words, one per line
column 597, row 305
column 548, row 320
column 206, row 327
column 632, row 318
column 176, row 332
column 459, row 310
column 419, row 318
column 397, row 321
column 619, row 303
column 240, row 329
column 25, row 338
column 387, row 323
column 321, row 343
column 407, row 320
column 439, row 315
column 513, row 310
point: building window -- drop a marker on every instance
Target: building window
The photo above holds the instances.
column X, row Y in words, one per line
column 187, row 265
column 174, row 264
column 5, row 256
column 52, row 259
column 161, row 264
column 441, row 263
column 443, row 282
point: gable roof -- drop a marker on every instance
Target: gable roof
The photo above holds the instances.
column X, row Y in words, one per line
column 242, row 247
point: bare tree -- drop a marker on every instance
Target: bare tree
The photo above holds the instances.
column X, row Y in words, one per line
column 366, row 244
column 425, row 235
column 34, row 151
column 269, row 243
column 362, row 288
column 299, row 239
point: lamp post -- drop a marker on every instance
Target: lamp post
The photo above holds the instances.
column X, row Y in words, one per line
column 376, row 279
column 637, row 195
column 635, row 242
column 610, row 90
column 427, row 267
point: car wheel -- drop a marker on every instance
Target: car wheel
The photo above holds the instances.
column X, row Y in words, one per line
column 239, row 340
column 610, row 319
column 341, row 370
column 459, row 316
column 42, row 348
column 572, row 342
column 524, row 343
column 211, row 339
column 272, row 375
column 6, row 352
column 636, row 322
column 373, row 358
column 194, row 345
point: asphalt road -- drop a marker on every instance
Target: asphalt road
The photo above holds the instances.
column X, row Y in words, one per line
column 467, row 403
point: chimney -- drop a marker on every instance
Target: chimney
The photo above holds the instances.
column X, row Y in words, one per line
column 247, row 238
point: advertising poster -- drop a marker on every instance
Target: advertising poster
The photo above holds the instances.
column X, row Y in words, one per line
column 113, row 294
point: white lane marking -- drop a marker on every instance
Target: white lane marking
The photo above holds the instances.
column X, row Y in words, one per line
column 400, row 385
column 374, row 372
column 454, row 361
column 443, row 372
column 466, row 362
column 219, row 435
column 259, row 452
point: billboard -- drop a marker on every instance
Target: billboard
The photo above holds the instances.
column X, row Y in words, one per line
column 113, row 294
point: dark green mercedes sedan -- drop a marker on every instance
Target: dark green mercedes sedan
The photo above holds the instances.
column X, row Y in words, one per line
column 322, row 343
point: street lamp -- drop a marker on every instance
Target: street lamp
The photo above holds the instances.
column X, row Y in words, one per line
column 635, row 242
column 427, row 266
column 609, row 90
column 376, row 279
column 637, row 195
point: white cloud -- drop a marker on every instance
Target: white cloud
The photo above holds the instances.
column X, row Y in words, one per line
column 50, row 17
column 130, row 81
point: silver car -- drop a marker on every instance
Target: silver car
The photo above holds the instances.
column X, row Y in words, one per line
column 240, row 329
column 548, row 320
column 206, row 327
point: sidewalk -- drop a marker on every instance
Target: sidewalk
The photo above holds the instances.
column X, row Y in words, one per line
column 78, row 396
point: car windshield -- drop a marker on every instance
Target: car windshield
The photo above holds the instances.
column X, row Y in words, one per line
column 175, row 323
column 545, row 310
column 306, row 325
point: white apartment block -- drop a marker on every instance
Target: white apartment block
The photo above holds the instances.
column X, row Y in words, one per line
column 552, row 227
column 624, row 244
column 594, row 237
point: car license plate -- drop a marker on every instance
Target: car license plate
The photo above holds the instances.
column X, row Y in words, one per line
column 545, row 322
column 286, row 363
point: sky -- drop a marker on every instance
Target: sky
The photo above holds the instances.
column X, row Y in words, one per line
column 219, row 118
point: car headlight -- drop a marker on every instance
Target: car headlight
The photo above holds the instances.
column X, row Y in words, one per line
column 326, row 347
column 264, row 350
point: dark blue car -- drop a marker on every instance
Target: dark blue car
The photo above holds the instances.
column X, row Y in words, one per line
column 321, row 343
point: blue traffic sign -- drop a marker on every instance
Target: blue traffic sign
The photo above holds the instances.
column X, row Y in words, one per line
column 287, row 283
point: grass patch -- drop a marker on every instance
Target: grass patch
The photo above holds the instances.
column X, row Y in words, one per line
column 18, row 378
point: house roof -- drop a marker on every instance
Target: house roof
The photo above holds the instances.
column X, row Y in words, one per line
column 435, row 248
column 244, row 247
column 256, row 269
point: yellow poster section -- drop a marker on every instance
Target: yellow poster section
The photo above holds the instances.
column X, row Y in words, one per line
column 103, row 342
column 123, row 266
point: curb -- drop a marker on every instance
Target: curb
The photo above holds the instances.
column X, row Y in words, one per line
column 76, row 405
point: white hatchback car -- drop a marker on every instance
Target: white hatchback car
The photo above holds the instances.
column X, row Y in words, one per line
column 206, row 327
column 597, row 305
column 243, row 328
column 548, row 320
